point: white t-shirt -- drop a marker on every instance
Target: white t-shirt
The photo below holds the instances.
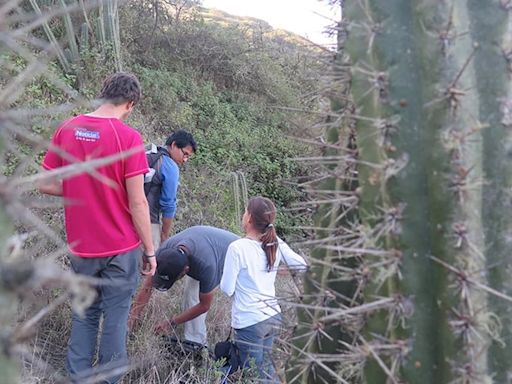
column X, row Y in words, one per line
column 246, row 276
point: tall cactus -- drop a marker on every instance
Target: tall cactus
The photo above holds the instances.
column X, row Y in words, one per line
column 107, row 28
column 70, row 32
column 431, row 85
column 331, row 285
column 493, row 30
column 425, row 65
column 63, row 60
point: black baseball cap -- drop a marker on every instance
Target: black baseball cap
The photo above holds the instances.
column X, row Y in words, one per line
column 170, row 264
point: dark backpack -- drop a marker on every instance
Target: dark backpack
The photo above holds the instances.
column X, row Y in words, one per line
column 153, row 177
column 227, row 351
column 183, row 347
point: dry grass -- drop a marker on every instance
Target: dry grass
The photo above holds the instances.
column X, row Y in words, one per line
column 152, row 362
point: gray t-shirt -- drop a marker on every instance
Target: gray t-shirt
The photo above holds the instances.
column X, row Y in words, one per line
column 207, row 248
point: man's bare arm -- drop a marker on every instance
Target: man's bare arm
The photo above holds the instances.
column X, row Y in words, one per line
column 205, row 302
column 140, row 302
column 50, row 186
column 140, row 216
column 166, row 228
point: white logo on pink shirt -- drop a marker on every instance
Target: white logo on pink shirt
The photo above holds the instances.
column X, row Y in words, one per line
column 83, row 134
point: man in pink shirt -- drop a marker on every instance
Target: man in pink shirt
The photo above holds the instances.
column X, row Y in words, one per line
column 106, row 219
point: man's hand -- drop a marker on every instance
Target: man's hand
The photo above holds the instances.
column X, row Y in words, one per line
column 50, row 185
column 148, row 265
column 164, row 326
column 140, row 301
column 166, row 228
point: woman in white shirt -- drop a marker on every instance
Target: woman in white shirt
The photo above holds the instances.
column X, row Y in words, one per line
column 249, row 274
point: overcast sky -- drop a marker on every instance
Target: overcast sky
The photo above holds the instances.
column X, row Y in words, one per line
column 308, row 18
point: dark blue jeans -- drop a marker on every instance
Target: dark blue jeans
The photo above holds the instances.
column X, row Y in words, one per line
column 120, row 277
column 255, row 344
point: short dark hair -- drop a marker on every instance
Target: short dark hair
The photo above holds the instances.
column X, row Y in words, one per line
column 121, row 87
column 182, row 139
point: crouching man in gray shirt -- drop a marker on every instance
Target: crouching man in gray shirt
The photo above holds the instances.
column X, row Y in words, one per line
column 198, row 254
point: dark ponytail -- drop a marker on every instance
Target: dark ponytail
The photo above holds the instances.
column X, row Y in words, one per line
column 263, row 215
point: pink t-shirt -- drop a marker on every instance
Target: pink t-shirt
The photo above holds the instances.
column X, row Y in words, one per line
column 98, row 220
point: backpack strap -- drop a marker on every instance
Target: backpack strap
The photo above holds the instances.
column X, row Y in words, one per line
column 229, row 336
column 161, row 151
column 155, row 157
column 153, row 162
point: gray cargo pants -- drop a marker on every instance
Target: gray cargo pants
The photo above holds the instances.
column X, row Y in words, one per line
column 120, row 275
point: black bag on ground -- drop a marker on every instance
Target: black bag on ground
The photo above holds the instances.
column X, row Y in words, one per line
column 183, row 347
column 229, row 351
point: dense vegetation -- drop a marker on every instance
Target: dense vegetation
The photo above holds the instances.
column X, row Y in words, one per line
column 231, row 84
column 239, row 86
